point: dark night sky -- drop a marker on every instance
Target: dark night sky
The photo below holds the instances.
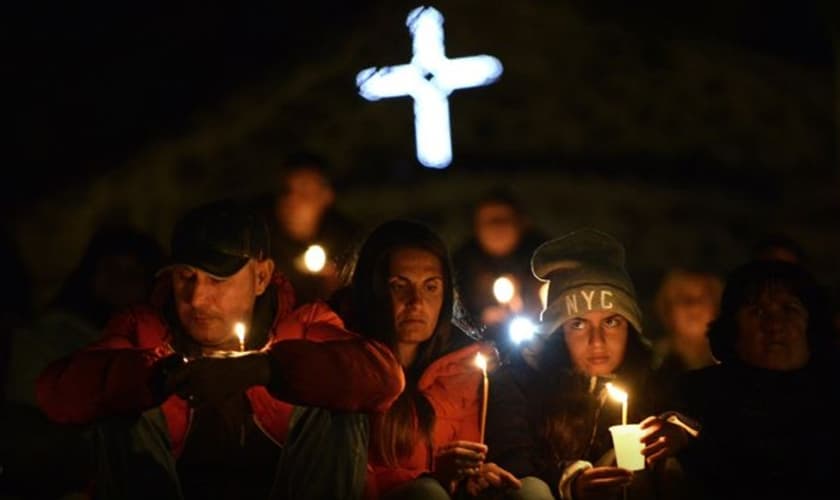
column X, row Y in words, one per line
column 93, row 84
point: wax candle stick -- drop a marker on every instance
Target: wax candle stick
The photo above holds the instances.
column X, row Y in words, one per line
column 481, row 361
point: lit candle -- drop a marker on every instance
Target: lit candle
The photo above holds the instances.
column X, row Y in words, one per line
column 239, row 330
column 503, row 289
column 481, row 361
column 619, row 395
column 315, row 258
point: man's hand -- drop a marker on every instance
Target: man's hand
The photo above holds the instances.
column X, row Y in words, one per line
column 214, row 379
column 164, row 375
column 662, row 439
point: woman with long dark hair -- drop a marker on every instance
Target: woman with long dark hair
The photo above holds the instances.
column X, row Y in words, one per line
column 549, row 415
column 402, row 293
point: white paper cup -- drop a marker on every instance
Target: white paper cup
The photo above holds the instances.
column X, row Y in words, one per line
column 628, row 446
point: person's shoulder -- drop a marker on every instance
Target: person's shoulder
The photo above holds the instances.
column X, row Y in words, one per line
column 316, row 312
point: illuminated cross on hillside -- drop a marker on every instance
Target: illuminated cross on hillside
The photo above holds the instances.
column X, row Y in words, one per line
column 429, row 79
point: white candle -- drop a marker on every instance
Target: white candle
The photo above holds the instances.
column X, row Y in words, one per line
column 481, row 361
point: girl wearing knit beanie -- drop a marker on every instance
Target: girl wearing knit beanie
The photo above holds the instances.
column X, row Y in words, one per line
column 549, row 414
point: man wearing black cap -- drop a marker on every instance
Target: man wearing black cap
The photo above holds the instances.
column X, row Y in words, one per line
column 218, row 388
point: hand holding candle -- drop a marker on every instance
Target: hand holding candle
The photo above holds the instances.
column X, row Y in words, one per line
column 481, row 362
column 239, row 331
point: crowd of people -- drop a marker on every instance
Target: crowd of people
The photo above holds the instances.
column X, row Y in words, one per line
column 278, row 349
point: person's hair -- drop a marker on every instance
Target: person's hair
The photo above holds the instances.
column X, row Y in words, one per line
column 776, row 241
column 567, row 406
column 300, row 161
column 500, row 196
column 672, row 282
column 746, row 284
column 372, row 316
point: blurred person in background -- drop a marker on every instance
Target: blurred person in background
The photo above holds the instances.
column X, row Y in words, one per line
column 311, row 238
column 493, row 265
column 115, row 271
column 686, row 303
column 778, row 246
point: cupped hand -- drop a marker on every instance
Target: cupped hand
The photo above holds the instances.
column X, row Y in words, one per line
column 600, row 483
column 458, row 459
column 214, row 379
column 491, row 475
column 662, row 439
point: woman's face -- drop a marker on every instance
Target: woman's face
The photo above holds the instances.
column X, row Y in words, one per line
column 691, row 308
column 772, row 331
column 415, row 282
column 596, row 341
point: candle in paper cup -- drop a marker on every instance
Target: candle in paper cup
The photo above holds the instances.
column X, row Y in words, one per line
column 627, row 441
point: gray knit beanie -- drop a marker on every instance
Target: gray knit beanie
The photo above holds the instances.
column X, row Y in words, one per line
column 585, row 271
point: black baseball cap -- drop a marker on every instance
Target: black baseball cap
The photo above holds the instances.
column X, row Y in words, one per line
column 219, row 238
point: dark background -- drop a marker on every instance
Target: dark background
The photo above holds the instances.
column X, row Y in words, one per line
column 688, row 129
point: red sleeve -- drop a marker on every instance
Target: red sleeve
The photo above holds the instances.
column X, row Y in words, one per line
column 110, row 376
column 316, row 362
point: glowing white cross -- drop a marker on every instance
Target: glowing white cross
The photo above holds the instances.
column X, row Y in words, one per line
column 429, row 79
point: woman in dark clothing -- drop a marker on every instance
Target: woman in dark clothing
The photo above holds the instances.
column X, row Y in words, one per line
column 549, row 415
column 761, row 408
column 427, row 445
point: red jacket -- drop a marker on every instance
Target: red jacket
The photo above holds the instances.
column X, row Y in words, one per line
column 452, row 385
column 344, row 371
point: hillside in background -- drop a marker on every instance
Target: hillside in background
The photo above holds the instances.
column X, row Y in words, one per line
column 685, row 143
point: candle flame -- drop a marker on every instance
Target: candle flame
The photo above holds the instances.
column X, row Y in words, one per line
column 315, row 258
column 503, row 289
column 481, row 362
column 239, row 331
column 616, row 393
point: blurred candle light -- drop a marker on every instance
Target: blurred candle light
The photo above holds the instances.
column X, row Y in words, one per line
column 481, row 362
column 503, row 289
column 521, row 329
column 619, row 395
column 315, row 258
column 239, row 331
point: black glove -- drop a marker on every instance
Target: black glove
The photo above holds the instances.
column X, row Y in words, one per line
column 214, row 379
column 164, row 375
